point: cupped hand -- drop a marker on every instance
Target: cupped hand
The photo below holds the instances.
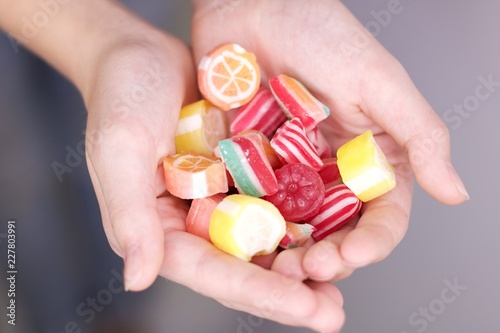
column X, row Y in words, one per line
column 324, row 46
column 138, row 87
column 136, row 91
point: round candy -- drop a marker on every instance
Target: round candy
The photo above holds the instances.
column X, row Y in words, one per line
column 300, row 192
column 198, row 218
column 245, row 226
column 364, row 167
column 200, row 128
column 339, row 207
column 297, row 234
column 297, row 101
column 246, row 161
column 330, row 172
column 293, row 146
column 271, row 155
column 191, row 176
column 262, row 113
column 319, row 142
column 229, row 76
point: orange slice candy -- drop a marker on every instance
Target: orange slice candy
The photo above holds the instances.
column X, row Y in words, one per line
column 229, row 76
column 191, row 176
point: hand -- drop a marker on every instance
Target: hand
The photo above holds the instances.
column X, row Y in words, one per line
column 324, row 46
column 139, row 85
column 133, row 99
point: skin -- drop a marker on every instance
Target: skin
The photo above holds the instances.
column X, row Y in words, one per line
column 134, row 80
column 365, row 88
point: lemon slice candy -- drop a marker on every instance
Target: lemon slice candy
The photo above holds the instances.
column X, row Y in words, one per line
column 245, row 226
column 364, row 167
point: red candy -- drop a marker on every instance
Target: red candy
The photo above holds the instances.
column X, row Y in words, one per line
column 198, row 218
column 246, row 160
column 300, row 192
column 292, row 145
column 320, row 143
column 297, row 102
column 339, row 207
column 297, row 234
column 330, row 172
column 262, row 113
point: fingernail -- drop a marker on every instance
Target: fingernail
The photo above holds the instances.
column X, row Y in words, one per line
column 133, row 266
column 458, row 182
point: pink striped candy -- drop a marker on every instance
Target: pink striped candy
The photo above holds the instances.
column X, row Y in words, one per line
column 293, row 146
column 339, row 207
column 246, row 161
column 319, row 142
column 297, row 101
column 262, row 113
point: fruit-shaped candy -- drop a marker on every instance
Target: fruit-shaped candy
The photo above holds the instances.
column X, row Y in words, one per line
column 191, row 176
column 300, row 192
column 229, row 76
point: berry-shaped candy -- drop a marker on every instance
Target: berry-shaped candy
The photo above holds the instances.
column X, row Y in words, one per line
column 300, row 192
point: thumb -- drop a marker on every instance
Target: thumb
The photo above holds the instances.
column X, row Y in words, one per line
column 124, row 180
column 395, row 104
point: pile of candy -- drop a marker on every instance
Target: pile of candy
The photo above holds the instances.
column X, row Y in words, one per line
column 291, row 190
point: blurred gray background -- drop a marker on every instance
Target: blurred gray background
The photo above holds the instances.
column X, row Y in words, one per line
column 443, row 277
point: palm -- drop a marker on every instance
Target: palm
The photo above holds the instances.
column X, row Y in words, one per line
column 133, row 109
column 365, row 88
column 289, row 47
column 134, row 104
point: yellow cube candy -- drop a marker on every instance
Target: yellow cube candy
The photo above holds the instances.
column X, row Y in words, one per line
column 244, row 226
column 364, row 167
column 200, row 128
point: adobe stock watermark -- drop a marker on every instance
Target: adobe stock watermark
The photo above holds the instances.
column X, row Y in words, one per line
column 420, row 149
column 382, row 18
column 147, row 84
column 265, row 308
column 485, row 88
column 31, row 25
column 87, row 310
column 421, row 319
column 224, row 6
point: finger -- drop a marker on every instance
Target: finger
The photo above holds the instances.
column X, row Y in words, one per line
column 381, row 227
column 323, row 261
column 394, row 103
column 265, row 261
column 289, row 263
column 247, row 287
column 329, row 289
column 126, row 178
column 108, row 230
